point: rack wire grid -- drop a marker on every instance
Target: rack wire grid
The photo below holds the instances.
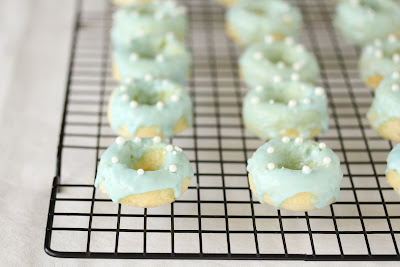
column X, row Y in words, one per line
column 218, row 217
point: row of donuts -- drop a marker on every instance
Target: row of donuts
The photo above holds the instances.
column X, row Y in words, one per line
column 151, row 64
column 284, row 106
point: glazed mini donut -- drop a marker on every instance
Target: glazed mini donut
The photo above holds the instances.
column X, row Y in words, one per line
column 248, row 21
column 147, row 108
column 384, row 114
column 393, row 169
column 296, row 175
column 272, row 61
column 286, row 109
column 362, row 21
column 144, row 172
column 380, row 59
column 162, row 56
column 151, row 18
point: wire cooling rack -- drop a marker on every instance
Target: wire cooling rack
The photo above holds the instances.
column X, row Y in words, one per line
column 218, row 217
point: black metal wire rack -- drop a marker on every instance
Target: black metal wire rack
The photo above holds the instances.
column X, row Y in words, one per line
column 218, row 217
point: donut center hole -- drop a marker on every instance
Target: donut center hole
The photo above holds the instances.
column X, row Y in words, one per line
column 151, row 160
column 293, row 160
column 256, row 10
column 144, row 96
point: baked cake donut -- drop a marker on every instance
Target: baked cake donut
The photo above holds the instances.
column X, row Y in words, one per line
column 272, row 61
column 249, row 21
column 144, row 172
column 292, row 109
column 393, row 169
column 147, row 108
column 362, row 21
column 295, row 175
column 151, row 18
column 379, row 59
column 384, row 114
column 162, row 56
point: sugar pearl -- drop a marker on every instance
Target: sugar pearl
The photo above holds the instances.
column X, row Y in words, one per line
column 327, row 160
column 395, row 75
column 298, row 140
column 295, row 77
column 292, row 103
column 306, row 101
column 169, row 148
column 120, row 140
column 133, row 57
column 114, row 160
column 306, row 169
column 297, row 66
column 160, row 58
column 259, row 88
column 271, row 166
column 395, row 87
column 123, row 88
column 280, row 65
column 175, row 98
column 258, row 55
column 148, row 77
column 137, row 139
column 270, row 150
column 322, row 145
column 285, row 139
column 172, row 168
column 156, row 139
column 177, row 148
column 396, row 58
column 269, row 39
column 271, row 101
column 125, row 97
column 255, row 100
column 133, row 104
column 160, row 105
column 392, row 38
column 140, row 171
column 319, row 91
column 277, row 79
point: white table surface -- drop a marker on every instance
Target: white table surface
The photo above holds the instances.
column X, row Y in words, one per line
column 34, row 46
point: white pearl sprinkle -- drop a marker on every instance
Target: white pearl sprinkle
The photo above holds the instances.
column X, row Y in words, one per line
column 137, row 139
column 148, row 77
column 169, row 148
column 174, row 152
column 271, row 166
column 395, row 87
column 114, row 160
column 295, row 77
column 133, row 57
column 258, row 55
column 392, row 38
column 270, row 150
column 269, row 39
column 172, row 168
column 289, row 40
column 319, row 91
column 156, row 139
column 123, row 88
column 298, row 140
column 255, row 100
column 285, row 139
column 125, row 97
column 297, row 66
column 306, row 169
column 396, row 58
column 378, row 53
column 120, row 140
column 280, row 65
column 322, row 145
column 160, row 105
column 277, row 79
column 327, row 160
column 395, row 75
column 271, row 101
column 377, row 42
column 306, row 101
column 140, row 171
column 160, row 58
column 133, row 104
column 177, row 148
column 175, row 98
column 259, row 88
column 292, row 103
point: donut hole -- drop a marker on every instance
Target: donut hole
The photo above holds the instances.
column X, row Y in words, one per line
column 151, row 160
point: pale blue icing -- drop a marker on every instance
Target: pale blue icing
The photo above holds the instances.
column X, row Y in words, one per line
column 121, row 180
column 265, row 62
column 363, row 21
column 175, row 104
column 141, row 19
column 287, row 178
column 271, row 120
column 393, row 160
column 386, row 101
column 162, row 56
column 252, row 20
column 380, row 57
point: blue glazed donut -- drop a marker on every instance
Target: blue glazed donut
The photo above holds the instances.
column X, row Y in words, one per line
column 286, row 109
column 295, row 175
column 380, row 59
column 248, row 21
column 362, row 21
column 384, row 114
column 271, row 61
column 139, row 19
column 162, row 56
column 393, row 169
column 144, row 172
column 146, row 108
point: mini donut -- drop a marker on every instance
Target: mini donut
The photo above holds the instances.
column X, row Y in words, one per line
column 292, row 109
column 362, row 21
column 295, row 175
column 384, row 114
column 272, row 61
column 140, row 19
column 147, row 108
column 144, row 172
column 393, row 169
column 379, row 59
column 248, row 21
column 162, row 56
